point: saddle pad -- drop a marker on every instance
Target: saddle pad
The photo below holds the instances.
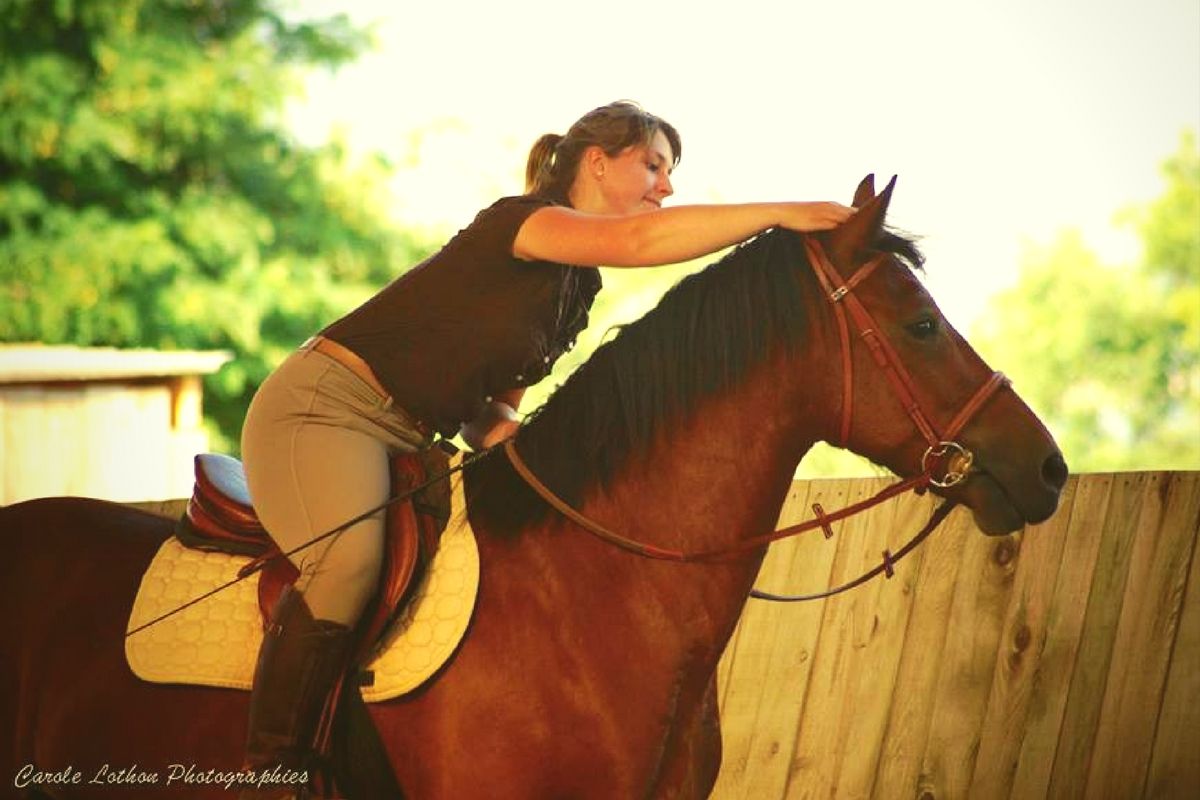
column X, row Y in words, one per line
column 215, row 642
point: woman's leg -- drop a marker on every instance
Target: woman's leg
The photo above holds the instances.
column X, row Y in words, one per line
column 317, row 446
column 311, row 465
column 323, row 477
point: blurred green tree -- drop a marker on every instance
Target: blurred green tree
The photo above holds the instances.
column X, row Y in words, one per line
column 1110, row 356
column 151, row 195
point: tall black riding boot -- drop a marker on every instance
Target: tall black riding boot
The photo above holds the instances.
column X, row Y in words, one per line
column 298, row 665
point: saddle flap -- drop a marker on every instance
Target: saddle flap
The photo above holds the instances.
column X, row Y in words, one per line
column 413, row 529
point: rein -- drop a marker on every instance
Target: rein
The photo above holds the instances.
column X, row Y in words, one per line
column 823, row 520
column 959, row 460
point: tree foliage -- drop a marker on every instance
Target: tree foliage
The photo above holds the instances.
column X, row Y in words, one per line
column 1110, row 355
column 150, row 194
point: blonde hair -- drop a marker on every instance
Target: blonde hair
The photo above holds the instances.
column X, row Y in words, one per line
column 554, row 159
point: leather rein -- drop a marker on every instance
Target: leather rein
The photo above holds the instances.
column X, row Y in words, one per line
column 941, row 448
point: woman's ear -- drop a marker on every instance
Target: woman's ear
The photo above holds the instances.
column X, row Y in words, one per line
column 594, row 161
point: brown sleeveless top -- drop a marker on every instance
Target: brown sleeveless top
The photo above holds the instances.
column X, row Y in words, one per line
column 471, row 321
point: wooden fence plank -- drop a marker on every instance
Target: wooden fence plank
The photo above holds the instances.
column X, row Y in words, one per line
column 1150, row 609
column 872, row 678
column 789, row 679
column 1086, row 693
column 1022, row 641
column 898, row 772
column 763, row 648
column 1056, row 664
column 1175, row 766
column 775, row 568
column 981, row 598
column 846, row 627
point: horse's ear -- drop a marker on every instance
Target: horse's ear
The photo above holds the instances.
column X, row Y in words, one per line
column 864, row 192
column 859, row 232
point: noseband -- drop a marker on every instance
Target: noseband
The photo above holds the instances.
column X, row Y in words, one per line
column 942, row 449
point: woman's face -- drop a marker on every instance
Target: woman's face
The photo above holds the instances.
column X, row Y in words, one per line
column 638, row 178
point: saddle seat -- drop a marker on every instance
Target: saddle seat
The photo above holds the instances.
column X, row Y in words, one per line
column 220, row 517
column 219, row 513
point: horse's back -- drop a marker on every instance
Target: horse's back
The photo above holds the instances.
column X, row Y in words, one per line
column 58, row 548
column 71, row 572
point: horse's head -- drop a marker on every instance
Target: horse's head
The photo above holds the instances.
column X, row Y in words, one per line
column 938, row 388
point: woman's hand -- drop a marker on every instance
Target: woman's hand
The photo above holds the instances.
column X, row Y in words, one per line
column 808, row 217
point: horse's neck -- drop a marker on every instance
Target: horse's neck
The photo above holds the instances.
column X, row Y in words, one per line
column 724, row 474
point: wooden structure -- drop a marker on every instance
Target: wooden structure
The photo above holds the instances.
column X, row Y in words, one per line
column 1063, row 661
column 115, row 424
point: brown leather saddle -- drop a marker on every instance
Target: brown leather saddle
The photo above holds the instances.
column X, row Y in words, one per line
column 220, row 517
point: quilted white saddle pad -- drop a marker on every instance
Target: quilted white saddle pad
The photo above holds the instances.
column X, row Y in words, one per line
column 216, row 641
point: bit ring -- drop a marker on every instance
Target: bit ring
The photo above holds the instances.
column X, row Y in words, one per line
column 958, row 467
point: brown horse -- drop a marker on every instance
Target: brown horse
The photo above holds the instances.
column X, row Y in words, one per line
column 587, row 672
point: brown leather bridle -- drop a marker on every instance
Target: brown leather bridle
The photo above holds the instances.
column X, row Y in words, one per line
column 841, row 295
column 940, row 447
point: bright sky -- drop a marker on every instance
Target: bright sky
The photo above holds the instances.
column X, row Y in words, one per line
column 1006, row 121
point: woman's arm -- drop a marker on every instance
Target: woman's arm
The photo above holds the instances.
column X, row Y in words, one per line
column 498, row 421
column 662, row 236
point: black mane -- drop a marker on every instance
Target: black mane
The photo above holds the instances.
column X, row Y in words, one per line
column 702, row 338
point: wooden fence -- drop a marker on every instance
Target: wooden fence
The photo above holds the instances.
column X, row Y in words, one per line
column 1063, row 661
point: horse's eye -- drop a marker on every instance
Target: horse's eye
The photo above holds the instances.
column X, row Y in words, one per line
column 924, row 328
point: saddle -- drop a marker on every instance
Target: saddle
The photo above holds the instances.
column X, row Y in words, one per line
column 221, row 518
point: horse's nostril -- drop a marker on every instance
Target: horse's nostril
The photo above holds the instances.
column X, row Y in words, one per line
column 1054, row 471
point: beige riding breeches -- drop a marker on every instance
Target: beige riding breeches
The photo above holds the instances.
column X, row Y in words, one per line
column 317, row 445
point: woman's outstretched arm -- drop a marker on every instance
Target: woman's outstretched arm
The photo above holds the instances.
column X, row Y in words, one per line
column 661, row 236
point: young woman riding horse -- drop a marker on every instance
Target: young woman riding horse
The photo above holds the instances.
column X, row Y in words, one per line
column 450, row 347
column 588, row 671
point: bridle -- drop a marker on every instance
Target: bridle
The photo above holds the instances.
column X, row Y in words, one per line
column 941, row 447
column 843, row 299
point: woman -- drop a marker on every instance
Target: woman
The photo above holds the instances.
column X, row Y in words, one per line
column 450, row 347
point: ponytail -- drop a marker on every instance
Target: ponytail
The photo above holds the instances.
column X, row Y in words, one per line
column 539, row 169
